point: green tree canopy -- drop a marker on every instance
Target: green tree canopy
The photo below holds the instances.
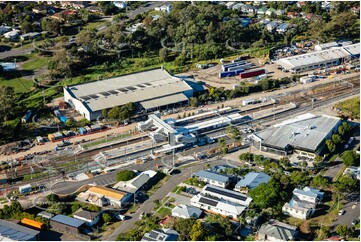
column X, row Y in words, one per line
column 268, row 194
column 125, row 175
column 350, row 157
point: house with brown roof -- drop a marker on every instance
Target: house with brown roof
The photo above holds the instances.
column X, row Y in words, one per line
column 90, row 218
column 103, row 196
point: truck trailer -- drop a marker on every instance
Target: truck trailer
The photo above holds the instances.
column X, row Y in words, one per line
column 252, row 73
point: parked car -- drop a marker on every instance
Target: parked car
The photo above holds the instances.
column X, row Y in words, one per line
column 354, row 222
column 341, row 212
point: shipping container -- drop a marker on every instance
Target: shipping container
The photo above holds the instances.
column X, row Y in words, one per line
column 230, row 73
column 241, row 58
column 245, row 67
column 32, row 223
column 252, row 73
column 226, row 67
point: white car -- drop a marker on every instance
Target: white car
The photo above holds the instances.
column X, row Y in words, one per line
column 341, row 212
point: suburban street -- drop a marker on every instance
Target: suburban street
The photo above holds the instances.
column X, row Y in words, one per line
column 142, row 9
column 352, row 212
column 16, row 52
column 148, row 206
column 333, row 170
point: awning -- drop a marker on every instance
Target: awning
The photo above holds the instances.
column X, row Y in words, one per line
column 158, row 102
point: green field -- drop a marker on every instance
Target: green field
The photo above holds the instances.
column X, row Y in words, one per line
column 93, row 25
column 36, row 63
column 19, row 84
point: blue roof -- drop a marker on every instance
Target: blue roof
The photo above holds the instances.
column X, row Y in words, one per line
column 253, row 180
column 68, row 220
column 212, row 176
column 17, row 232
column 310, row 192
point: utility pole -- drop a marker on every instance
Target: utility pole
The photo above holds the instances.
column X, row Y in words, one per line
column 173, row 157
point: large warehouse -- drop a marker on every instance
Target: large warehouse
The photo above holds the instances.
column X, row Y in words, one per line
column 149, row 90
column 304, row 135
column 324, row 58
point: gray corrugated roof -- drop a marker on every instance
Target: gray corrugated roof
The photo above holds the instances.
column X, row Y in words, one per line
column 162, row 101
column 279, row 230
column 253, row 180
column 307, row 191
column 68, row 220
column 212, row 176
column 136, row 87
column 187, row 211
column 86, row 214
column 16, row 232
column 309, row 135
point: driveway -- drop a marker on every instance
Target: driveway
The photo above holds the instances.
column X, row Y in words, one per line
column 352, row 212
column 180, row 199
column 333, row 170
column 16, row 52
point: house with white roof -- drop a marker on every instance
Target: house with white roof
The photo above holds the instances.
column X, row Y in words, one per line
column 282, row 28
column 352, row 171
column 212, row 178
column 270, row 11
column 271, row 26
column 4, row 29
column 185, row 211
column 251, row 181
column 13, row 35
column 135, row 184
column 218, row 206
column 161, row 235
column 303, row 203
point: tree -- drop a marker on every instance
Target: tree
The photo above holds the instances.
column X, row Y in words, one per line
column 125, row 175
column 298, row 178
column 184, row 227
column 87, row 39
column 52, row 198
column 50, row 25
column 194, row 102
column 349, row 157
column 57, row 208
column 7, row 101
column 26, row 27
column 341, row 130
column 345, row 184
column 224, row 150
column 336, row 139
column 70, row 123
column 347, row 127
column 268, row 194
column 106, row 218
column 75, row 207
column 330, row 145
column 105, row 113
column 285, row 162
column 222, row 142
column 163, row 54
column 197, row 231
column 342, row 230
column 320, row 182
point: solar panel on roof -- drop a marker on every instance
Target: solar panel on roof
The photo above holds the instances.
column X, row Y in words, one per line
column 122, row 90
column 113, row 92
column 153, row 235
column 93, row 96
column 148, row 84
column 85, row 98
column 131, row 88
column 140, row 85
column 226, row 193
column 208, row 201
column 105, row 94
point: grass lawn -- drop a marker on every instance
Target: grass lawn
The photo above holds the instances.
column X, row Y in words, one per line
column 98, row 142
column 333, row 158
column 19, row 84
column 93, row 25
column 158, row 185
column 36, row 63
column 164, row 211
column 339, row 173
column 328, row 218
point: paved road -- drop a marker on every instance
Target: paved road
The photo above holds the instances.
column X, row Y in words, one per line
column 148, row 206
column 143, row 9
column 352, row 209
column 16, row 52
column 333, row 170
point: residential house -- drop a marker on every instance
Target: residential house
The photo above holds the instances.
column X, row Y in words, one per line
column 352, row 171
column 303, row 203
column 90, row 218
column 230, row 4
column 251, row 181
column 103, row 196
column 14, row 232
column 312, row 17
column 227, row 195
column 248, row 8
column 161, row 235
column 212, row 178
column 167, row 7
column 326, row 5
column 185, row 211
column 237, row 6
column 264, row 21
column 356, row 10
column 244, row 21
column 270, row 11
column 279, row 12
column 300, row 4
column 32, row 35
column 262, row 10
column 45, row 215
column 120, row 4
column 271, row 26
column 94, row 9
column 65, row 224
column 217, row 206
column 292, row 14
column 282, row 28
column 135, row 184
column 4, row 29
column 64, row 15
column 275, row 230
column 12, row 35
column 80, row 4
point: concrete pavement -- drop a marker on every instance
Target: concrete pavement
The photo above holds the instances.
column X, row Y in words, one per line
column 352, row 212
column 16, row 52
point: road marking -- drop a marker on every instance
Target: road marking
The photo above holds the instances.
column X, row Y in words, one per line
column 353, row 206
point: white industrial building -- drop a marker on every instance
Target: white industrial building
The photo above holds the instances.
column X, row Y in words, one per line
column 149, row 90
column 304, row 135
column 324, row 58
column 326, row 46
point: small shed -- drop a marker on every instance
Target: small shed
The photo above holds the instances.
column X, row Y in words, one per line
column 45, row 215
column 88, row 129
column 95, row 127
column 67, row 224
column 25, row 189
column 62, row 119
column 39, row 140
column 33, row 224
